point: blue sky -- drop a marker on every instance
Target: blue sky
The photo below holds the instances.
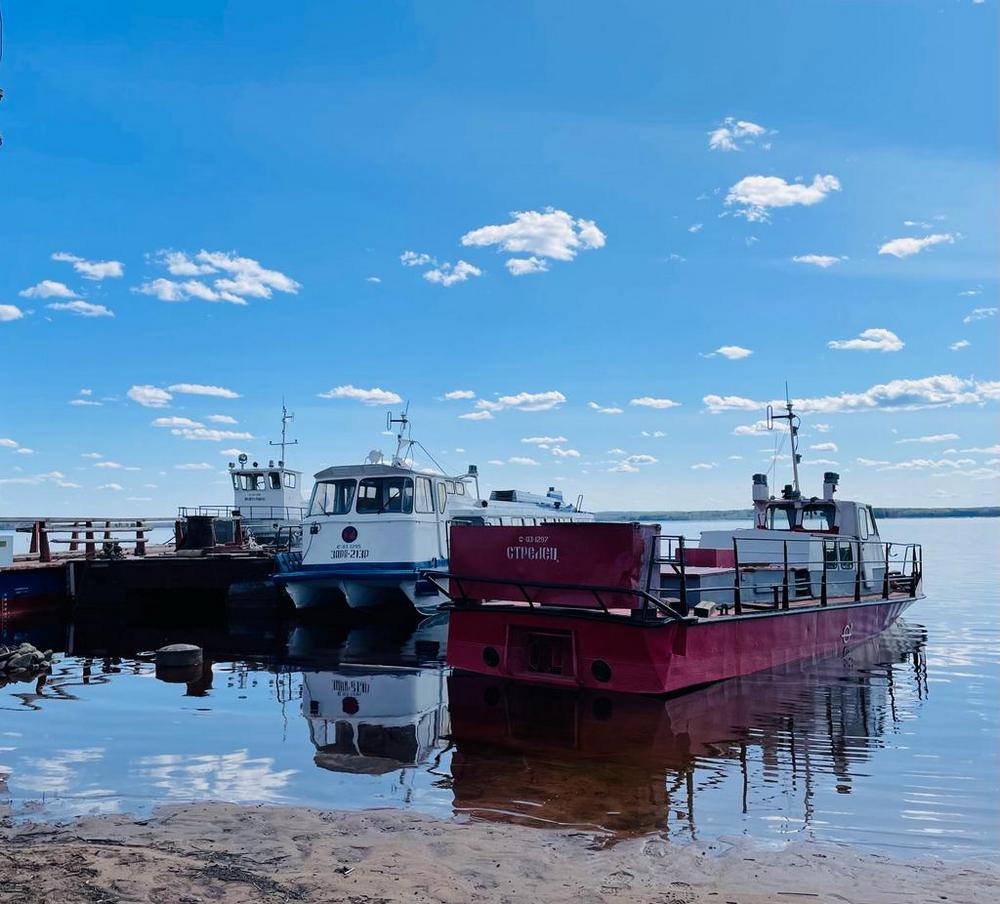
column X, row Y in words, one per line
column 217, row 197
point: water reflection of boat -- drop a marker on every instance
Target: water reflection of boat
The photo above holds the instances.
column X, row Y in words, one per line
column 633, row 764
column 375, row 719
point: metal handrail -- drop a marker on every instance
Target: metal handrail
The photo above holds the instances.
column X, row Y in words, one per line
column 852, row 568
column 435, row 578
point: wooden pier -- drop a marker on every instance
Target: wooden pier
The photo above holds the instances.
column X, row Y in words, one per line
column 106, row 563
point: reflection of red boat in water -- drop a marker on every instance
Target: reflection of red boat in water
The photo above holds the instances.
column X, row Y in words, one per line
column 633, row 764
column 619, row 607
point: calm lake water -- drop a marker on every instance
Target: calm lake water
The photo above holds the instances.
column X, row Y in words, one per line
column 893, row 746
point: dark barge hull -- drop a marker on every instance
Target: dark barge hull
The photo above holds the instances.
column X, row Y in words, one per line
column 617, row 652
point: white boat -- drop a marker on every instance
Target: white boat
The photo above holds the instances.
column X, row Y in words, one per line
column 800, row 547
column 374, row 719
column 372, row 528
column 267, row 500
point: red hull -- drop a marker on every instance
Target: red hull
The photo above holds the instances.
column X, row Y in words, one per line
column 579, row 649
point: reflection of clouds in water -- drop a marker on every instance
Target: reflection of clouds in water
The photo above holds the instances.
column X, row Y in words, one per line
column 57, row 773
column 229, row 776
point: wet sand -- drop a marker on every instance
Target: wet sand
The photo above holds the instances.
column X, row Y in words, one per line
column 228, row 853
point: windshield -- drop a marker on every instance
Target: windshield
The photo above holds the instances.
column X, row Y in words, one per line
column 334, row 497
column 249, row 482
column 385, row 494
column 818, row 517
column 780, row 517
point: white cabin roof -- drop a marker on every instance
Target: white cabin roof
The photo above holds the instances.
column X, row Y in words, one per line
column 360, row 471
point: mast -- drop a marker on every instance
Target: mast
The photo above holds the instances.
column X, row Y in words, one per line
column 793, row 431
column 285, row 418
column 403, row 436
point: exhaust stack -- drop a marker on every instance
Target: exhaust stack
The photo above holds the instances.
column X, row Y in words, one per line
column 761, row 496
column 830, row 481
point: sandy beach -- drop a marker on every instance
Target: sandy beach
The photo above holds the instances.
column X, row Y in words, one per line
column 227, row 853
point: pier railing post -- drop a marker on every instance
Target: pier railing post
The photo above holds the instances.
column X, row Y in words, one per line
column 33, row 549
column 88, row 546
column 74, row 538
column 857, row 574
column 683, row 570
column 44, row 553
column 885, row 577
column 140, row 539
column 784, row 579
column 737, row 590
column 823, row 588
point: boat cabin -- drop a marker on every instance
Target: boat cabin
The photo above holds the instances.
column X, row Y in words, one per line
column 271, row 492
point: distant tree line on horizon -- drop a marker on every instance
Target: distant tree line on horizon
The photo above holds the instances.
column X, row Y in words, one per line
column 983, row 511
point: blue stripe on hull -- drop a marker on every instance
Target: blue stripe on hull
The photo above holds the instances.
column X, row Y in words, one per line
column 368, row 571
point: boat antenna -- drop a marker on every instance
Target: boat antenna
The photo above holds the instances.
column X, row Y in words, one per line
column 286, row 416
column 793, row 431
column 403, row 439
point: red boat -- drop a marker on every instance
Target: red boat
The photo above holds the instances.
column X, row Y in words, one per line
column 622, row 608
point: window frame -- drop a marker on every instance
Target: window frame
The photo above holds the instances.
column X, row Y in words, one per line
column 429, row 484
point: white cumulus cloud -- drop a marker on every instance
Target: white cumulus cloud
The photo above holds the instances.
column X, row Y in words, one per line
column 524, row 401
column 550, row 233
column 875, row 339
column 544, row 441
column 979, row 314
column 756, row 195
column 522, row 266
column 449, row 275
column 732, row 352
column 476, row 416
column 81, row 308
column 200, row 389
column 823, row 261
column 10, row 312
column 905, row 247
column 940, row 390
column 652, row 402
column 176, row 422
column 931, row 438
column 734, row 132
column 96, row 270
column 416, row 259
column 234, row 278
column 150, row 396
column 48, row 288
column 459, row 394
column 602, row 409
column 373, row 396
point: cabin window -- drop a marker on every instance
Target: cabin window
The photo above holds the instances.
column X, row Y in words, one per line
column 818, row 517
column 846, row 556
column 451, row 486
column 459, row 488
column 423, row 500
column 291, row 480
column 385, row 494
column 871, row 517
column 442, row 496
column 249, row 481
column 780, row 517
column 863, row 524
column 334, row 497
column 275, row 479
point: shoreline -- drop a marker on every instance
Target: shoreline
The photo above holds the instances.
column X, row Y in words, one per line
column 229, row 853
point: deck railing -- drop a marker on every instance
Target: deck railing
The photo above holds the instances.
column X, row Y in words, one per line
column 847, row 568
column 94, row 536
column 246, row 512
